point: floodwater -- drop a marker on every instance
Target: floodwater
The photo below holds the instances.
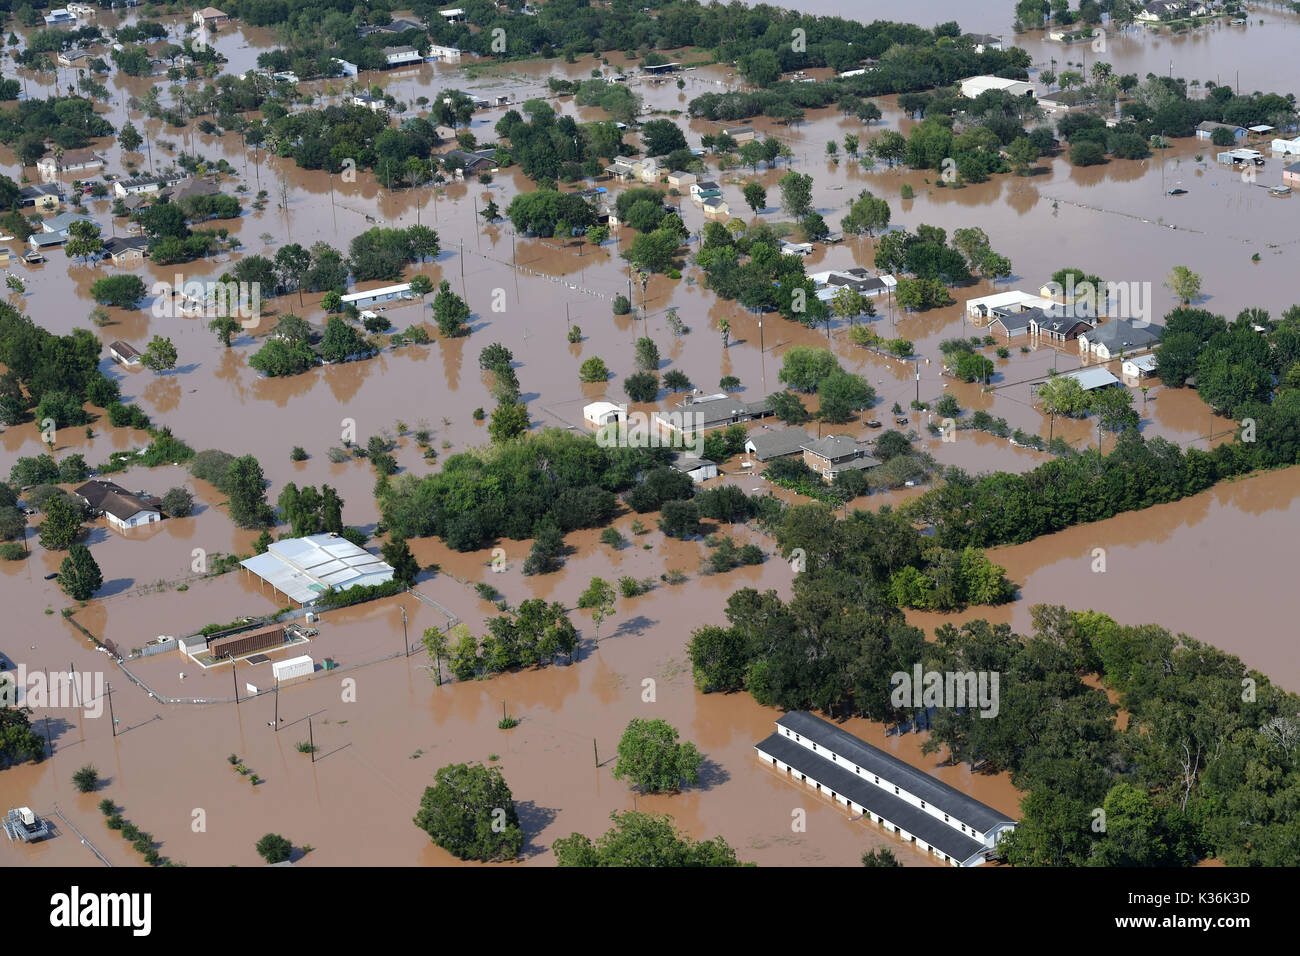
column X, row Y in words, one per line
column 378, row 753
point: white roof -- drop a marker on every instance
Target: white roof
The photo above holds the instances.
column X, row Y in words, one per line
column 974, row 85
column 385, row 290
column 306, row 568
column 597, row 409
column 1146, row 363
column 1000, row 300
column 1090, row 378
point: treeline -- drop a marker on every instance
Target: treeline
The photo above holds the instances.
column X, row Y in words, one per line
column 1236, row 367
column 749, row 268
column 53, row 374
column 835, row 643
column 557, row 148
column 1202, row 767
column 550, row 480
column 532, row 636
column 70, row 121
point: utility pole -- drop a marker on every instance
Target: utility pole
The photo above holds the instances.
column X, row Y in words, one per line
column 405, row 640
column 112, row 719
column 234, row 677
column 311, row 741
column 277, row 705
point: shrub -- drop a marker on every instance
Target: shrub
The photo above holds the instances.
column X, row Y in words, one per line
column 86, row 779
column 622, row 306
column 107, row 807
column 274, row 848
column 298, row 454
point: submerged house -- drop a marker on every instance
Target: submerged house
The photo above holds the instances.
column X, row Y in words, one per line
column 701, row 413
column 836, row 453
column 919, row 809
column 122, row 508
column 765, row 444
column 1110, row 339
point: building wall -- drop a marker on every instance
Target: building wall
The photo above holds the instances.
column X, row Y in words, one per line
column 889, row 787
column 135, row 521
column 889, row 827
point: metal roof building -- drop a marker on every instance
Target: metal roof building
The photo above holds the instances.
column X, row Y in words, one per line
column 909, row 802
column 1092, row 378
column 305, row 569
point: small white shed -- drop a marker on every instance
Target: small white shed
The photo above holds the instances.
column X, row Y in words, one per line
column 293, row 667
column 600, row 414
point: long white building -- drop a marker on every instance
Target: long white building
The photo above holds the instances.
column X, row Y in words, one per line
column 936, row 818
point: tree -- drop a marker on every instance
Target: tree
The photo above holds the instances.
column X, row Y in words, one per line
column 178, row 503
column 421, row 285
column 86, row 779
column 124, row 291
column 1022, row 154
column 508, row 422
column 397, row 553
column 788, row 408
column 79, row 575
column 647, row 354
column 868, row 215
column 1087, row 152
column 159, row 354
column 1185, row 284
column 62, row 523
column 796, row 194
column 760, row 67
column 640, row 839
column 437, row 644
column 804, row 367
column 129, row 137
column 470, row 813
column 661, row 136
column 274, row 848
column 755, row 195
column 652, row 759
column 83, row 240
column 599, row 600
column 593, row 370
column 225, row 327
column 641, row 386
column 292, row 263
column 245, row 487
column 450, row 311
column 882, row 857
column 841, row 394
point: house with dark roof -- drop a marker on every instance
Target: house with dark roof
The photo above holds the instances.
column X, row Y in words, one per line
column 124, row 353
column 42, row 196
column 741, row 134
column 1110, row 339
column 765, row 444
column 122, row 508
column 471, row 163
column 400, row 25
column 699, row 469
column 701, row 413
column 1057, row 328
column 190, row 186
column 128, row 250
column 401, row 55
column 1291, row 175
column 1011, row 322
column 1205, row 130
column 917, row 808
column 836, row 453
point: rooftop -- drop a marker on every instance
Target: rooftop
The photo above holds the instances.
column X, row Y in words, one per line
column 307, row 568
column 113, row 499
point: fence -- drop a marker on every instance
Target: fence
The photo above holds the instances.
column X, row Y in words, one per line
column 158, row 647
column 84, row 841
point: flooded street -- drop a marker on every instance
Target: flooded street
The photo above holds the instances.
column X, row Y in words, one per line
column 1213, row 566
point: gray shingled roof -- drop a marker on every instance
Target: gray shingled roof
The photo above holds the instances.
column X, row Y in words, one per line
column 838, row 778
column 778, row 442
column 1121, row 333
column 950, row 800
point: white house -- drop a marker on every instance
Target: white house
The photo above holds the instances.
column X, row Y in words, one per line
column 1143, row 366
column 1120, row 337
column 373, row 103
column 60, row 18
column 936, row 818
column 141, row 185
column 401, row 55
column 716, row 207
column 386, row 294
column 124, row 353
column 293, row 667
column 699, row 469
column 1014, row 300
column 972, row 87
column 1283, row 147
column 72, row 161
column 679, row 178
column 1093, row 378
column 795, row 248
column 210, row 17
column 122, row 508
column 600, row 414
column 447, row 54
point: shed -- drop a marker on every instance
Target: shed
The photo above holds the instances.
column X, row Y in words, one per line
column 293, row 667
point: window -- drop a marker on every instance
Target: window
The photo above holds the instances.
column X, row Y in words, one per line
column 877, row 780
column 835, row 758
column 922, row 804
column 895, row 790
column 814, row 746
column 945, row 818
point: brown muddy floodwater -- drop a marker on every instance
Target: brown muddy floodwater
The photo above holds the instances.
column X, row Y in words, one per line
column 1211, row 566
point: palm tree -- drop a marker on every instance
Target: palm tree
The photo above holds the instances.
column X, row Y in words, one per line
column 724, row 326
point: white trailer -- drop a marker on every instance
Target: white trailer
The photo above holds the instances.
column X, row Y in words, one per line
column 294, row 667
